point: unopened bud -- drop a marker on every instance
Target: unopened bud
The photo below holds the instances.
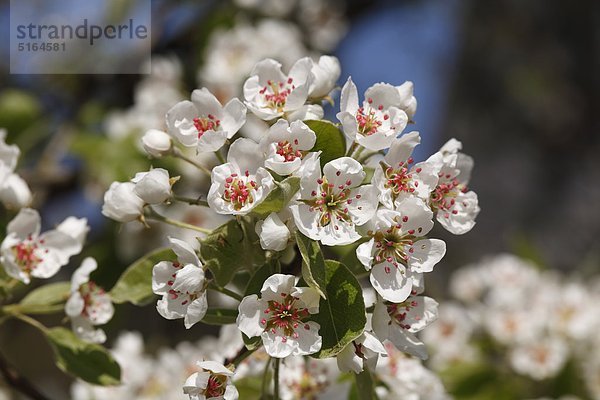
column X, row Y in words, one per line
column 156, row 143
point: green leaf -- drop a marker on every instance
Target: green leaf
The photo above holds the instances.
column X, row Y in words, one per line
column 88, row 361
column 342, row 315
column 135, row 284
column 330, row 140
column 279, row 196
column 231, row 247
column 52, row 293
column 45, row 299
column 313, row 263
column 260, row 276
column 220, row 316
column 364, row 385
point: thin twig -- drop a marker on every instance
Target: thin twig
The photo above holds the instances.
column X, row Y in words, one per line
column 178, row 154
column 157, row 217
column 191, row 201
column 18, row 382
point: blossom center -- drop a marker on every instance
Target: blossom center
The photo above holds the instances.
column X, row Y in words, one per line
column 27, row 255
column 276, row 94
column 90, row 292
column 400, row 179
column 284, row 316
column 390, row 244
column 216, row 385
column 332, row 202
column 369, row 119
column 286, row 150
column 239, row 191
column 443, row 198
column 399, row 312
column 208, row 123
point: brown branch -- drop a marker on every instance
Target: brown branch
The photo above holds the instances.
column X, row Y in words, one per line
column 19, row 383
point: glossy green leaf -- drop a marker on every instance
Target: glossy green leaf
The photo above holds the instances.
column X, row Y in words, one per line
column 279, row 196
column 342, row 315
column 87, row 361
column 313, row 263
column 230, row 248
column 135, row 284
column 330, row 140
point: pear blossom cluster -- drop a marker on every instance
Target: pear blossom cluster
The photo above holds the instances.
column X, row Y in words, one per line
column 539, row 320
column 27, row 253
column 151, row 376
column 283, row 185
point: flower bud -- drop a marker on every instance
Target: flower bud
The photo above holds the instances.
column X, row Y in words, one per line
column 273, row 233
column 121, row 203
column 156, row 143
column 154, row 187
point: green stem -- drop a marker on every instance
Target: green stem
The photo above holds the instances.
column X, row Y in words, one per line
column 358, row 152
column 157, row 217
column 225, row 291
column 220, row 157
column 351, row 149
column 276, row 379
column 178, row 154
column 264, row 379
column 27, row 319
column 367, row 156
column 191, row 201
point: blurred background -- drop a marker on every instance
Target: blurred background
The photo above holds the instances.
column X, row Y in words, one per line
column 517, row 82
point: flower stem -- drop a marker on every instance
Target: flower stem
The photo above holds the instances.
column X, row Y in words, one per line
column 265, row 376
column 178, row 154
column 157, row 217
column 220, row 157
column 225, row 291
column 276, row 379
column 28, row 320
column 191, row 201
column 351, row 149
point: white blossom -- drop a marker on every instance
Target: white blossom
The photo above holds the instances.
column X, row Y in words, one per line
column 279, row 317
column 26, row 253
column 331, row 205
column 88, row 305
column 213, row 381
column 181, row 284
column 14, row 191
column 398, row 323
column 395, row 177
column 376, row 123
column 286, row 145
column 204, row 123
column 271, row 94
column 326, row 72
column 241, row 183
column 408, row 102
column 366, row 349
column 397, row 251
column 540, row 359
column 455, row 206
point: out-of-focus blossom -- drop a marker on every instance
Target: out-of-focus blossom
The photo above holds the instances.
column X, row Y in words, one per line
column 88, row 304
